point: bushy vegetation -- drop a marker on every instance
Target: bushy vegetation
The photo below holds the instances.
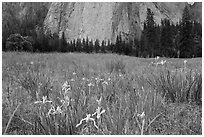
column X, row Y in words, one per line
column 91, row 94
column 179, row 86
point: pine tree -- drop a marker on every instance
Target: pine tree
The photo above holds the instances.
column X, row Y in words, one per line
column 150, row 31
column 166, row 38
column 54, row 43
column 121, row 45
column 103, row 46
column 74, row 46
column 144, row 48
column 109, row 48
column 91, row 47
column 63, row 44
column 87, row 45
column 116, row 45
column 125, row 48
column 197, row 39
column 97, row 46
column 186, row 47
column 69, row 48
column 131, row 49
column 78, row 45
column 44, row 44
column 157, row 45
column 136, row 48
column 197, row 29
column 83, row 45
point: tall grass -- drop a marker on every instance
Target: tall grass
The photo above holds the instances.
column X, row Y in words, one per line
column 78, row 96
column 179, row 85
column 117, row 66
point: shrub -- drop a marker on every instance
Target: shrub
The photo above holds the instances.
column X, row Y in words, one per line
column 16, row 42
column 179, row 86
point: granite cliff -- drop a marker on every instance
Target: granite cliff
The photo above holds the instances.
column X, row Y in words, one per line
column 105, row 21
column 101, row 21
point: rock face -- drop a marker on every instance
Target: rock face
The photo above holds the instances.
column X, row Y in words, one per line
column 105, row 21
column 196, row 11
column 14, row 12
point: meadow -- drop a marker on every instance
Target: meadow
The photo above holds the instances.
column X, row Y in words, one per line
column 100, row 94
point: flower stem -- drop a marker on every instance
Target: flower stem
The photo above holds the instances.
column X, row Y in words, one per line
column 143, row 124
column 11, row 118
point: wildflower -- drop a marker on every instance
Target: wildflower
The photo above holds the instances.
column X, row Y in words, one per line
column 143, row 89
column 99, row 101
column 72, row 80
column 74, row 73
column 105, row 83
column 31, row 63
column 62, row 101
column 40, row 84
column 54, row 111
column 58, row 110
column 83, row 79
column 109, row 79
column 99, row 112
column 51, row 111
column 161, row 62
column 90, row 84
column 184, row 62
column 120, row 75
column 66, row 87
column 97, row 79
column 87, row 119
column 141, row 115
column 43, row 101
column 66, row 101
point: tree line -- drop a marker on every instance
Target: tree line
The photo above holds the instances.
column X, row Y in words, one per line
column 182, row 40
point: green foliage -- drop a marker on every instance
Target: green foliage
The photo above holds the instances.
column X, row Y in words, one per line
column 58, row 92
column 150, row 31
column 118, row 47
column 63, row 47
column 166, row 38
column 91, row 46
column 179, row 86
column 97, row 46
column 87, row 46
column 78, row 45
column 103, row 47
column 16, row 42
column 186, row 47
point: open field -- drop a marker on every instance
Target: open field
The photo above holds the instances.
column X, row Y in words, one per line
column 76, row 93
